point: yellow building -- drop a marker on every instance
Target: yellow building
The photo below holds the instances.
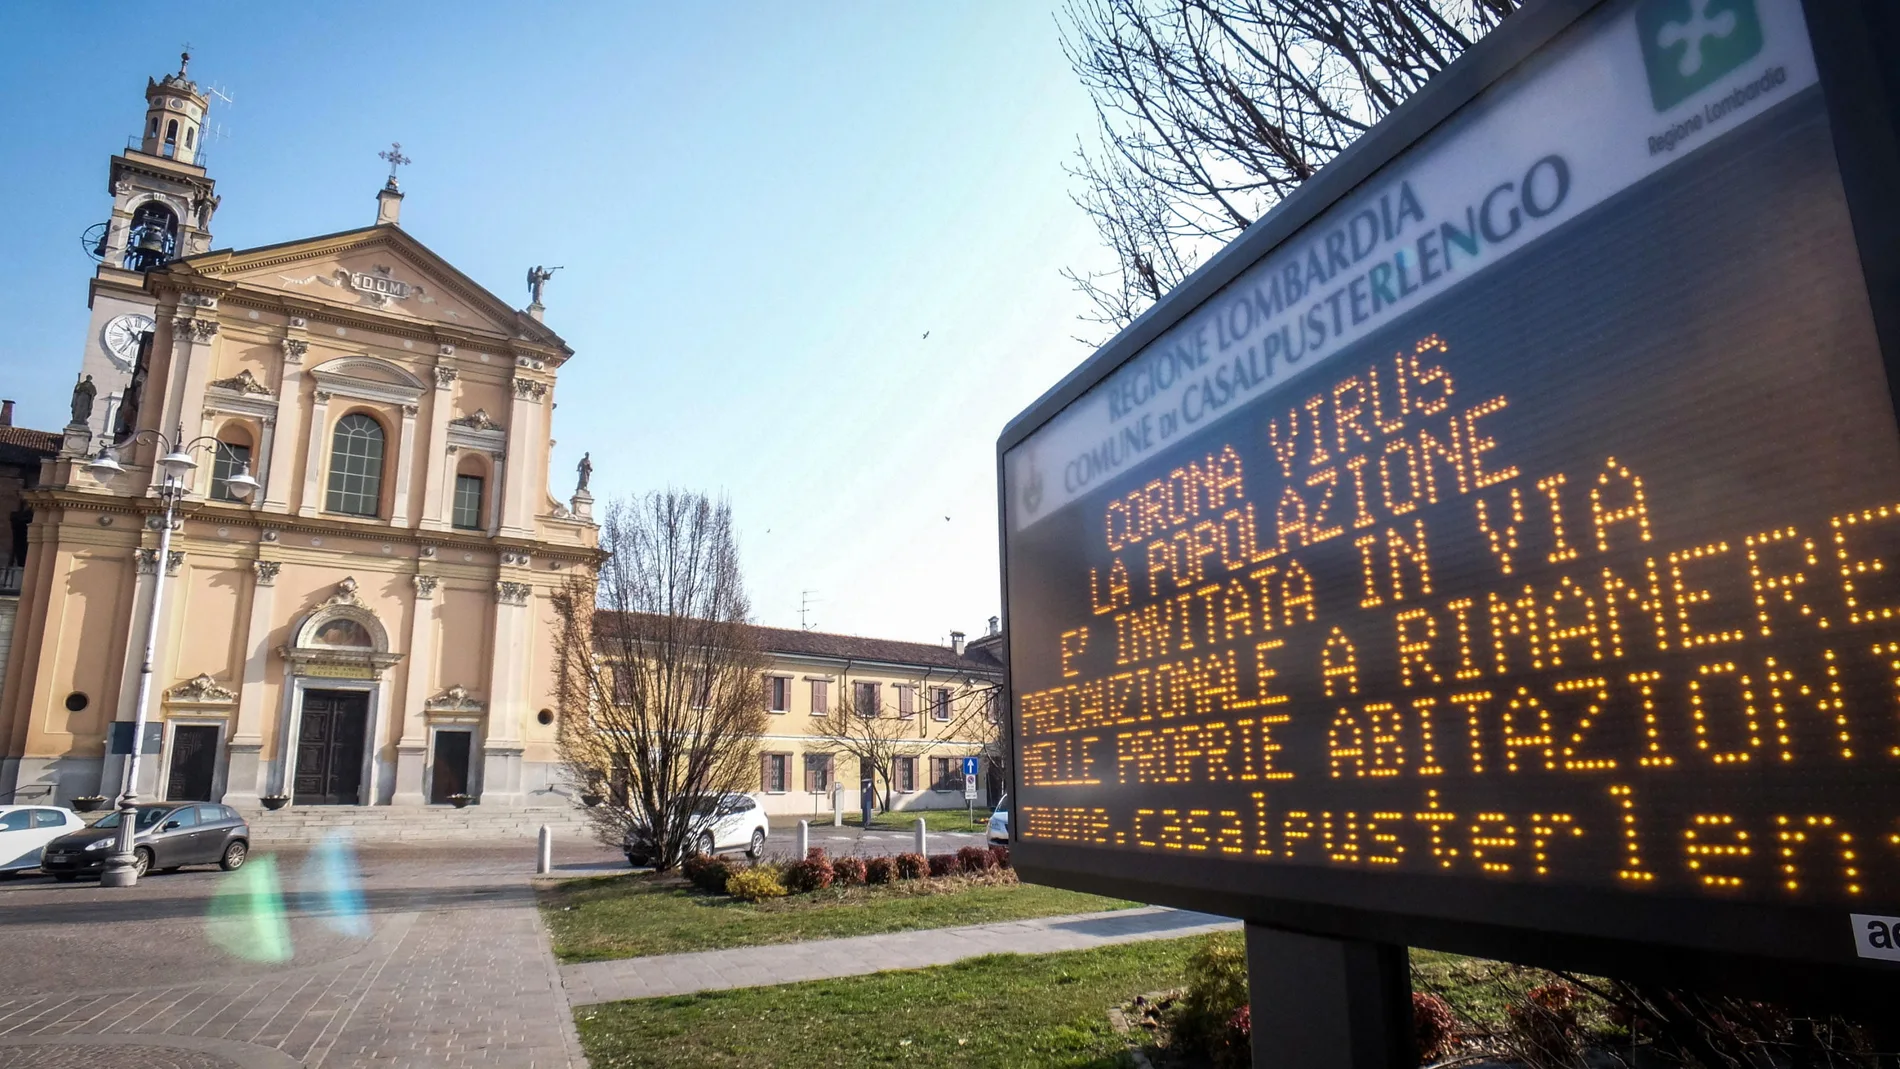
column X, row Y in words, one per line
column 373, row 626
column 935, row 706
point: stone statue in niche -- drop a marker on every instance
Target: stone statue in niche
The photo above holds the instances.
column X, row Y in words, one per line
column 83, row 393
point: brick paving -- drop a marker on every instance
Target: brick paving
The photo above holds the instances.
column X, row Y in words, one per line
column 713, row 970
column 454, row 971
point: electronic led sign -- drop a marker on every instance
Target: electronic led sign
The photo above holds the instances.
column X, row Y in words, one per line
column 1514, row 544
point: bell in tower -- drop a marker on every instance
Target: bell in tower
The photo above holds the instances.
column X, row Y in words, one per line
column 162, row 203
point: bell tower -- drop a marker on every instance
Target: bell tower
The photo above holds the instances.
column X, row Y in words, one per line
column 162, row 202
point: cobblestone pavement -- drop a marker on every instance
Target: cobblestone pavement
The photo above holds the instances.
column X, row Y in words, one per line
column 446, row 965
column 712, row 970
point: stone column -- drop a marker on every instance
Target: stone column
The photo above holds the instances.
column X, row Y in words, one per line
column 313, row 461
column 192, row 338
column 112, row 774
column 524, row 423
column 278, row 472
column 243, row 777
column 413, row 748
column 507, row 693
column 149, row 770
column 436, row 478
column 405, row 463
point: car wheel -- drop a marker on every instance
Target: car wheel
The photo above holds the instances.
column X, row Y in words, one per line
column 757, row 847
column 706, row 844
column 141, row 861
column 65, row 877
column 234, row 856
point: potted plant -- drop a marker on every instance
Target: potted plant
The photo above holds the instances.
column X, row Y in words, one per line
column 89, row 803
column 275, row 801
column 460, row 801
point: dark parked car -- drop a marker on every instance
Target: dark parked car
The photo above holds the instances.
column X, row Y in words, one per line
column 165, row 836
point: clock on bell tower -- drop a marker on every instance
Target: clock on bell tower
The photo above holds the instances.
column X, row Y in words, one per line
column 162, row 202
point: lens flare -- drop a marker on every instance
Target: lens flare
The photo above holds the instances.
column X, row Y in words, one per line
column 330, row 888
column 246, row 918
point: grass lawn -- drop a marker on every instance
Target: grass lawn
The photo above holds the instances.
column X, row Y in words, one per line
column 934, row 820
column 634, row 916
column 1002, row 1010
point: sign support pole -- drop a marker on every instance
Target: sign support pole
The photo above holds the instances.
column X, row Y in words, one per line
column 1324, row 1003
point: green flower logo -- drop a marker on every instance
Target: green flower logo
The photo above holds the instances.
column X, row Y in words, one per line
column 1688, row 44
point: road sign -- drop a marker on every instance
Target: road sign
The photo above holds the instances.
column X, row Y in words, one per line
column 969, row 767
column 1498, row 545
column 969, row 786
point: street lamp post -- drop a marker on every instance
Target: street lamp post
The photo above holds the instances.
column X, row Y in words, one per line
column 122, row 869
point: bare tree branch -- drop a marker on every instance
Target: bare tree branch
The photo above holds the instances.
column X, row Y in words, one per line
column 659, row 672
column 1209, row 112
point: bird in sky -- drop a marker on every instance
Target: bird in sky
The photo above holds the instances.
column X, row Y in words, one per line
column 926, row 336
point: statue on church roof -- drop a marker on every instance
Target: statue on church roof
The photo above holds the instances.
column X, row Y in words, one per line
column 83, row 393
column 586, row 470
column 538, row 280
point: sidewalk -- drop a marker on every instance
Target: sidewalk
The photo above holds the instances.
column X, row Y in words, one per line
column 713, row 970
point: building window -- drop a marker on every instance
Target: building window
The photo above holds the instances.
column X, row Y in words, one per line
column 864, row 699
column 229, row 459
column 821, row 697
column 903, row 774
column 778, row 694
column 993, row 705
column 946, row 774
column 468, row 503
column 152, row 131
column 906, row 700
column 818, row 772
column 356, row 466
column 187, row 137
column 703, row 689
column 939, row 703
column 777, row 772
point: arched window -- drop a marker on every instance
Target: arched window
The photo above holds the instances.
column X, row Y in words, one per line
column 466, row 511
column 171, row 136
column 233, row 456
column 153, row 132
column 356, row 466
column 187, row 137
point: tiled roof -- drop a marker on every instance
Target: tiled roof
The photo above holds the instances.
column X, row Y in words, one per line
column 23, row 445
column 47, row 442
column 794, row 643
column 858, row 648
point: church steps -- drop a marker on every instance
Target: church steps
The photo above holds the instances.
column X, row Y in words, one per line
column 409, row 824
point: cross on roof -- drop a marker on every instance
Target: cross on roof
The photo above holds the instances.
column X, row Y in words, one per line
column 395, row 157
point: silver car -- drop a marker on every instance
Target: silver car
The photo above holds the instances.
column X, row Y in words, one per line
column 999, row 823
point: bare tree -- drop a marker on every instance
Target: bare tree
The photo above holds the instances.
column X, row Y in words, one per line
column 1209, row 112
column 660, row 674
column 861, row 724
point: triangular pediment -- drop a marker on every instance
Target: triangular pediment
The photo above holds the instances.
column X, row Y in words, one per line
column 378, row 270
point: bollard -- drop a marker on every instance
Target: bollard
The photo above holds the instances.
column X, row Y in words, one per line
column 837, row 805
column 544, row 863
column 804, row 839
column 920, row 838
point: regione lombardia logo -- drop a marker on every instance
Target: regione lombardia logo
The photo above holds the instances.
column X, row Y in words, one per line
column 1688, row 44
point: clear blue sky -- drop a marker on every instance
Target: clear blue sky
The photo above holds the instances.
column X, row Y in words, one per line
column 761, row 209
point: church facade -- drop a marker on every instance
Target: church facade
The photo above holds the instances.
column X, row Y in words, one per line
column 374, row 625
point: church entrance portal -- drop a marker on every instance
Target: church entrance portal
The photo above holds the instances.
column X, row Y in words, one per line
column 330, row 747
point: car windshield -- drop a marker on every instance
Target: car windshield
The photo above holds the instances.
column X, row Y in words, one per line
column 147, row 819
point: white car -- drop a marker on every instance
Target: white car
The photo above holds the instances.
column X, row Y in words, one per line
column 25, row 829
column 999, row 822
column 730, row 821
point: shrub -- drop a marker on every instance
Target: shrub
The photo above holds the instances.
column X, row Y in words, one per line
column 1543, row 1025
column 1234, row 1049
column 709, row 874
column 1434, row 1025
column 1216, row 990
column 812, row 874
column 912, row 867
column 1000, row 856
column 755, row 884
column 879, row 870
column 943, row 864
column 974, row 859
column 848, row 871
